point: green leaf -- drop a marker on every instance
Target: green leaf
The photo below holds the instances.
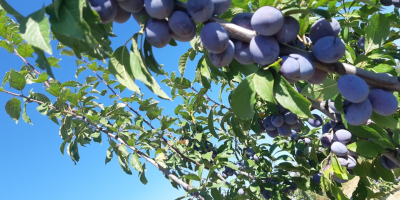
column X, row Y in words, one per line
column 191, row 177
column 166, row 122
column 243, row 98
column 140, row 71
column 290, row 99
column 321, row 12
column 42, row 61
column 17, row 80
column 136, row 163
column 109, row 155
column 321, row 92
column 123, row 163
column 384, row 173
column 366, row 148
column 41, row 78
column 211, row 127
column 73, row 151
column 143, row 178
column 35, row 29
column 25, row 115
column 264, row 84
column 25, row 50
column 183, row 61
column 13, row 108
column 8, row 46
column 119, row 66
column 376, row 32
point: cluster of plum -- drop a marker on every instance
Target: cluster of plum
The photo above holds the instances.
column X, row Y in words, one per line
column 396, row 3
column 116, row 10
column 360, row 101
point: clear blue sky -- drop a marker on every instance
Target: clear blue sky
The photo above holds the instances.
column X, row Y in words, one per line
column 32, row 164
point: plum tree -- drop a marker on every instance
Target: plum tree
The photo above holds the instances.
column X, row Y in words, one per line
column 159, row 9
column 329, row 49
column 181, row 24
column 122, row 16
column 357, row 113
column 107, row 9
column 242, row 52
column 353, row 88
column 383, row 102
column 200, row 10
column 243, row 19
column 224, row 58
column 221, row 6
column 267, row 21
column 131, row 5
column 264, row 49
column 317, row 122
column 157, row 32
column 214, row 37
column 339, row 149
column 289, row 30
column 322, row 28
column 342, row 135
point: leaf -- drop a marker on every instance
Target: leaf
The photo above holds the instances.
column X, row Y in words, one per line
column 42, row 61
column 123, row 163
column 384, row 173
column 109, row 155
column 119, row 66
column 25, row 115
column 365, row 148
column 191, row 177
column 264, row 84
column 210, row 121
column 243, row 98
column 183, row 61
column 136, row 163
column 41, row 78
column 321, row 12
column 25, row 50
column 35, row 29
column 140, row 71
column 377, row 31
column 143, row 178
column 290, row 99
column 6, row 45
column 13, row 108
column 17, row 80
column 167, row 122
column 321, row 92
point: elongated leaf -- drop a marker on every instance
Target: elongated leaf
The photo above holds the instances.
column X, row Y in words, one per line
column 264, row 84
column 211, row 127
column 136, row 163
column 183, row 61
column 191, row 177
column 367, row 149
column 25, row 116
column 13, row 108
column 17, row 80
column 243, row 98
column 321, row 92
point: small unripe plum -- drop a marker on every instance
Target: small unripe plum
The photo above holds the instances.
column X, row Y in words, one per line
column 243, row 19
column 214, row 37
column 200, row 10
column 339, row 149
column 224, row 58
column 264, row 49
column 317, row 122
column 159, row 9
column 157, row 32
column 277, row 120
column 284, row 130
column 323, row 28
column 383, row 102
column 343, row 136
column 358, row 113
column 329, row 49
column 107, row 9
column 289, row 30
column 353, row 88
column 267, row 20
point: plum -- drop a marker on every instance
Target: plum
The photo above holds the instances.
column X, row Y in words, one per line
column 183, row 39
column 107, row 9
column 339, row 149
column 353, row 88
column 306, row 66
column 277, row 120
column 267, row 20
column 281, row 109
column 293, row 186
column 326, row 128
column 317, row 178
column 250, row 152
column 297, row 125
column 181, row 24
column 273, row 134
column 157, row 32
column 326, row 140
column 294, row 135
column 224, row 58
column 387, row 163
column 361, row 43
column 322, row 28
column 240, row 191
column 268, row 124
column 140, row 16
column 290, row 118
column 214, row 37
column 243, row 19
column 307, row 140
column 329, row 49
column 386, row 2
column 221, row 6
column 284, row 130
column 290, row 68
column 317, row 122
column 131, row 5
column 122, row 16
column 318, row 77
column 264, row 49
column 339, row 180
column 351, row 162
column 262, row 129
column 343, row 136
column 159, row 9
column 338, row 127
column 242, row 52
column 200, row 10
column 256, row 158
column 289, row 30
column 266, row 194
column 342, row 160
column 358, row 113
column 383, row 102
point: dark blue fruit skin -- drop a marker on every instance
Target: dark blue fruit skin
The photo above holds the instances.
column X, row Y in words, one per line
column 326, row 140
column 200, row 10
column 250, row 152
column 262, row 129
column 289, row 30
column 361, row 43
column 387, row 163
column 267, row 20
column 343, row 136
column 317, row 122
column 358, row 113
column 183, row 39
column 329, row 49
column 243, row 20
column 383, row 102
column 265, row 50
column 224, row 58
column 273, row 134
column 266, row 194
column 268, row 124
column 122, row 16
column 277, row 120
column 157, row 32
column 297, row 125
column 386, row 2
column 326, row 128
column 214, row 37
column 332, row 107
column 242, row 52
column 317, row 178
column 131, row 5
column 159, row 9
column 294, row 135
column 353, row 88
column 318, row 77
column 107, row 9
column 181, row 24
column 351, row 162
column 284, row 130
column 323, row 28
column 139, row 15
column 339, row 149
column 290, row 68
column 307, row 68
column 293, row 186
column 290, row 118
column 221, row 6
